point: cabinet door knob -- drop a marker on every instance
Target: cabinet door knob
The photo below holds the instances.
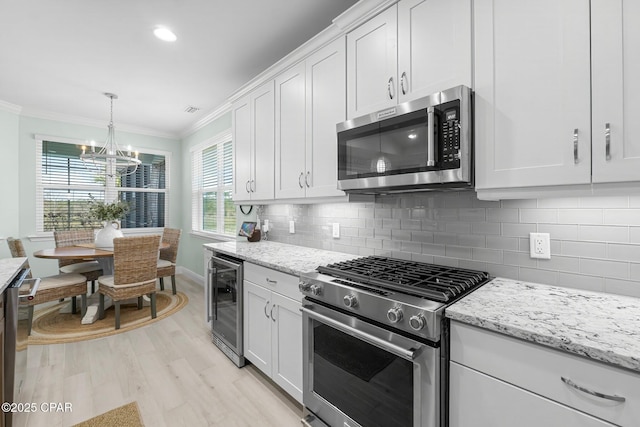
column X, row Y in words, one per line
column 389, row 87
column 271, row 313
column 607, row 141
column 306, row 179
column 300, row 179
column 246, row 187
column 575, row 146
column 253, row 186
column 403, row 77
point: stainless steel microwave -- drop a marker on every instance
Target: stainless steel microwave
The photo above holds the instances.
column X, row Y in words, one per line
column 425, row 144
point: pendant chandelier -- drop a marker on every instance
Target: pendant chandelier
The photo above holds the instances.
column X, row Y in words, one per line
column 114, row 160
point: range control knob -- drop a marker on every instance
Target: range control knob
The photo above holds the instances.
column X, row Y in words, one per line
column 316, row 290
column 350, row 301
column 394, row 314
column 417, row 322
column 304, row 286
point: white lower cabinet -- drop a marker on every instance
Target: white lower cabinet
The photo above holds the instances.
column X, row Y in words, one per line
column 481, row 400
column 496, row 381
column 273, row 326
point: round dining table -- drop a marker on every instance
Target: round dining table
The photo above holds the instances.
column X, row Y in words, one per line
column 88, row 251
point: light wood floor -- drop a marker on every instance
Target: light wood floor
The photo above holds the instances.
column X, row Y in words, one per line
column 171, row 368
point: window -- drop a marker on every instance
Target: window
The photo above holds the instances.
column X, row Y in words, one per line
column 212, row 207
column 66, row 187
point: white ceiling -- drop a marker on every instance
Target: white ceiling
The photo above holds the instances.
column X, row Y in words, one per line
column 59, row 57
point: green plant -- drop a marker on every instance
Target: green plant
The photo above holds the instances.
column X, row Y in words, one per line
column 107, row 211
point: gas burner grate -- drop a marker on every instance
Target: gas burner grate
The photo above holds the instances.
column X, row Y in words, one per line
column 434, row 282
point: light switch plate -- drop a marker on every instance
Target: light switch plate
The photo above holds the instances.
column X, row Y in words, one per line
column 336, row 230
column 265, row 225
column 292, row 227
column 540, row 245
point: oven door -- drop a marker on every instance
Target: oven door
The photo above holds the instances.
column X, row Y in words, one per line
column 359, row 374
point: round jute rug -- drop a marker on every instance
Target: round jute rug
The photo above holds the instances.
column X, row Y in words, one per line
column 50, row 326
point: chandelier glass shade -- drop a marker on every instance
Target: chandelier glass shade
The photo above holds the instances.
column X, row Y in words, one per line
column 110, row 157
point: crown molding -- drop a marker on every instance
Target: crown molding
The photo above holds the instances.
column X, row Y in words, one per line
column 78, row 120
column 361, row 12
column 209, row 118
column 9, row 107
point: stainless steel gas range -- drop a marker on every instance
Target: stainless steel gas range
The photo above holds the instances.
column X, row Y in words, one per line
column 376, row 342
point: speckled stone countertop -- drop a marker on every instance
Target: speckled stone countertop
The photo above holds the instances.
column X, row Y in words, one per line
column 289, row 259
column 603, row 327
column 9, row 267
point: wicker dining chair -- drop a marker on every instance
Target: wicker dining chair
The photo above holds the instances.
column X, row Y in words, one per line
column 134, row 273
column 167, row 260
column 90, row 269
column 52, row 288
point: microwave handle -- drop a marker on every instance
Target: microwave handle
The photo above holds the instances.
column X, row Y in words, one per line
column 431, row 143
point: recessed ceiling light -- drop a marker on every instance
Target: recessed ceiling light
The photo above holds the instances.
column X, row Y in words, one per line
column 165, row 34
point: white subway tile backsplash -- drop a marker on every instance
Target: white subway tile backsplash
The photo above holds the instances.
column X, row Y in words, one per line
column 560, row 231
column 595, row 241
column 561, row 202
column 623, row 252
column 520, row 259
column 603, row 233
column 503, row 215
column 622, row 217
column 560, row 263
column 583, row 249
column 485, row 228
column 500, row 242
column 622, row 287
column 518, row 230
column 580, row 216
column 487, row 255
column 604, row 202
column 458, row 252
column 578, row 281
column 538, row 276
column 601, row 268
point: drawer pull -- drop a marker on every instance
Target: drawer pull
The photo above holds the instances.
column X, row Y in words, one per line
column 272, row 282
column 591, row 392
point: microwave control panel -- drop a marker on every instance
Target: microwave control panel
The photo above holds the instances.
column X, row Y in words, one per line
column 450, row 129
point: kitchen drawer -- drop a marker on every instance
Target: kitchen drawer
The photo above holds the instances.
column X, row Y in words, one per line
column 539, row 369
column 276, row 281
column 480, row 400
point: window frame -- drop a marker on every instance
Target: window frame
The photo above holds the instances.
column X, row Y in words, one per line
column 109, row 192
column 198, row 190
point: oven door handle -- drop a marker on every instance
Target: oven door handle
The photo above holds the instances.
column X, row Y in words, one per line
column 405, row 353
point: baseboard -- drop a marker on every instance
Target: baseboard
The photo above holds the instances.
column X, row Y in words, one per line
column 190, row 274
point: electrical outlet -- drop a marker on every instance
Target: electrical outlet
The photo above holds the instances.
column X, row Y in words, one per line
column 292, row 227
column 540, row 245
column 336, row 230
column 265, row 225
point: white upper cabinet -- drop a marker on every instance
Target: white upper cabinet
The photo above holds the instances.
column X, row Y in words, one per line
column 253, row 136
column 310, row 101
column 326, row 107
column 615, row 50
column 532, row 93
column 290, row 133
column 434, row 46
column 412, row 49
column 372, row 64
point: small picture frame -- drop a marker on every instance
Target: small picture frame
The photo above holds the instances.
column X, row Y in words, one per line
column 247, row 228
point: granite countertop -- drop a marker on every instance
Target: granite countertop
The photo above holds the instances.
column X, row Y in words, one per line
column 603, row 327
column 283, row 257
column 9, row 267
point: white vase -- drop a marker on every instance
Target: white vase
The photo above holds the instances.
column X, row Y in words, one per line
column 105, row 236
